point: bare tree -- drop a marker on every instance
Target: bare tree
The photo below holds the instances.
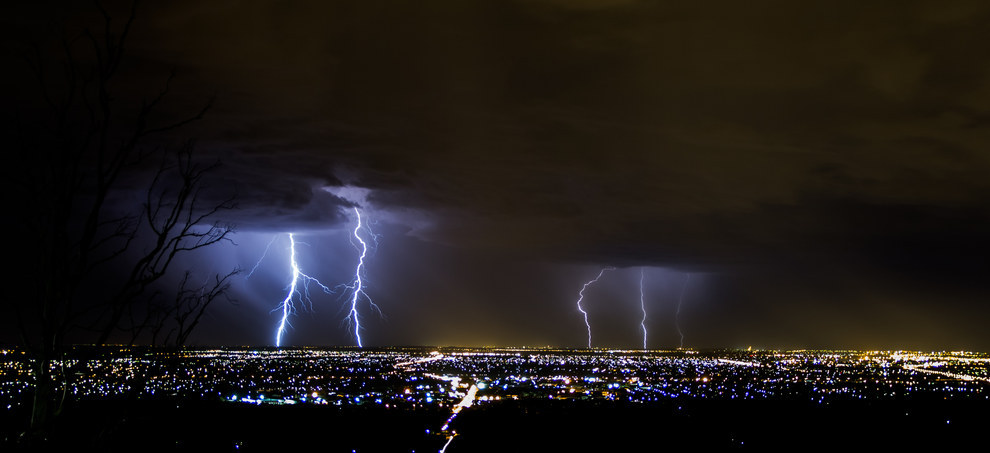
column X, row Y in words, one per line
column 93, row 264
column 184, row 311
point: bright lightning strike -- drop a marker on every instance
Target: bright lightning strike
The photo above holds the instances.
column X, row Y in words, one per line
column 287, row 306
column 642, row 306
column 581, row 297
column 680, row 301
column 357, row 286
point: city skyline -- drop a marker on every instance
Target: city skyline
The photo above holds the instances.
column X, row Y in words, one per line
column 493, row 399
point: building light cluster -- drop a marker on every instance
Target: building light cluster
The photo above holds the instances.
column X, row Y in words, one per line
column 412, row 379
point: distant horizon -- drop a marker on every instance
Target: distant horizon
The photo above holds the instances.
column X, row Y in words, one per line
column 521, row 348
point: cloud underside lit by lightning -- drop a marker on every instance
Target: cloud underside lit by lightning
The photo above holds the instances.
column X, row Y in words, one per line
column 357, row 285
column 581, row 297
column 287, row 307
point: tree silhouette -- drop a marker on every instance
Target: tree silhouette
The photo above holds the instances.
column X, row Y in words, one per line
column 93, row 261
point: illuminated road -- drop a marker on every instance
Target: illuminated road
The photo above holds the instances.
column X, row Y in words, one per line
column 964, row 377
column 738, row 362
column 435, row 355
column 467, row 401
column 455, row 384
column 449, row 440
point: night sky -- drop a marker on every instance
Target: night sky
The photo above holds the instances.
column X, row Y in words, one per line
column 820, row 169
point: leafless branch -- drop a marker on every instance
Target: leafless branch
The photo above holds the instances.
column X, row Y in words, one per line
column 84, row 151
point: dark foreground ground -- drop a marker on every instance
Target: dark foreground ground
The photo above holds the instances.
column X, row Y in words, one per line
column 512, row 426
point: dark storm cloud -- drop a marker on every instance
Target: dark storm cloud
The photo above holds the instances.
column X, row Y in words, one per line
column 832, row 139
column 518, row 119
column 812, row 141
column 277, row 188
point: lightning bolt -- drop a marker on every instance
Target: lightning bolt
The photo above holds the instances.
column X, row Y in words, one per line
column 642, row 306
column 287, row 306
column 263, row 255
column 357, row 286
column 680, row 301
column 581, row 297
